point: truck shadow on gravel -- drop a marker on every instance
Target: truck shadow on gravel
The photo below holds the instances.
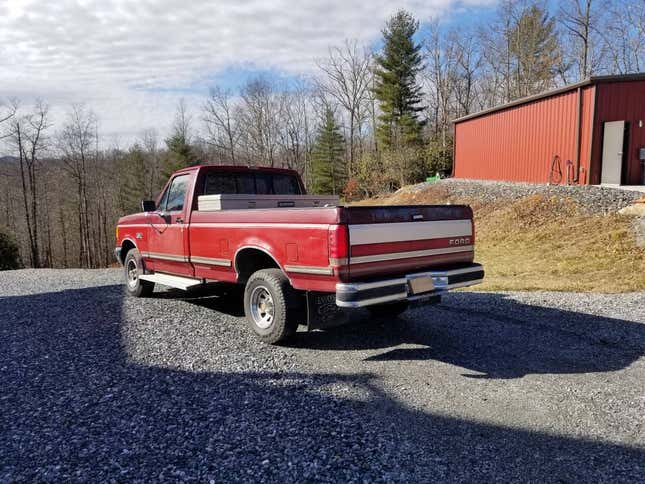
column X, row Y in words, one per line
column 75, row 407
column 220, row 297
column 493, row 335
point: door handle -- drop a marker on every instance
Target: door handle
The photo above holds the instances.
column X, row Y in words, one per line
column 179, row 221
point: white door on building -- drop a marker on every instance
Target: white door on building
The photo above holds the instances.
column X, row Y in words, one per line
column 612, row 152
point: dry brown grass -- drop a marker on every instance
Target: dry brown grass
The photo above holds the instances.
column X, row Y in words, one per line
column 542, row 243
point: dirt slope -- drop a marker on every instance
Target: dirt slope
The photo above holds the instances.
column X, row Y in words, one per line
column 542, row 241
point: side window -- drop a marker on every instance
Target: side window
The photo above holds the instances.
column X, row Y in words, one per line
column 163, row 200
column 176, row 194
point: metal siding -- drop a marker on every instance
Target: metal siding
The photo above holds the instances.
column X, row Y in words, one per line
column 519, row 143
column 618, row 101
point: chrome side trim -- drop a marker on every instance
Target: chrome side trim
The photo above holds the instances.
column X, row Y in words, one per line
column 323, row 271
column 338, row 262
column 163, row 256
column 210, row 261
column 406, row 255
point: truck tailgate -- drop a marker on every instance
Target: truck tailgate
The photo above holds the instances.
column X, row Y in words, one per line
column 395, row 240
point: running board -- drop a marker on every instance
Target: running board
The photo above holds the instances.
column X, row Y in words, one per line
column 171, row 281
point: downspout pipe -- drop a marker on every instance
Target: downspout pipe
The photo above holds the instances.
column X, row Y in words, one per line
column 576, row 169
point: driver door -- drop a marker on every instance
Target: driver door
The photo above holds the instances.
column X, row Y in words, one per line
column 167, row 242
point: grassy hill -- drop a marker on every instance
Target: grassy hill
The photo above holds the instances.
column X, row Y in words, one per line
column 556, row 240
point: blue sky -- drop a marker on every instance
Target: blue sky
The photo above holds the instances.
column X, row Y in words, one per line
column 131, row 61
column 234, row 76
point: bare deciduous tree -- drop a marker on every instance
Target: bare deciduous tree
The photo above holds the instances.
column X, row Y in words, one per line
column 150, row 142
column 76, row 143
column 259, row 114
column 624, row 36
column 8, row 110
column 182, row 124
column 27, row 134
column 579, row 19
column 221, row 125
column 347, row 78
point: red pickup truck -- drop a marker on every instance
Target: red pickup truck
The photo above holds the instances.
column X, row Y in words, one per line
column 301, row 259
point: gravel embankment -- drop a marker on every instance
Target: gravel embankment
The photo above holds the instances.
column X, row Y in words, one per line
column 486, row 386
column 592, row 199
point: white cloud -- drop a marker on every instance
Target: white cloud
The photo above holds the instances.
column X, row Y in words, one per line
column 115, row 54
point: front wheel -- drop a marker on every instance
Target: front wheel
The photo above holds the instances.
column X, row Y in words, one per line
column 272, row 307
column 133, row 269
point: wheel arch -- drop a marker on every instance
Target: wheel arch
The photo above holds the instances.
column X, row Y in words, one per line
column 251, row 258
column 126, row 246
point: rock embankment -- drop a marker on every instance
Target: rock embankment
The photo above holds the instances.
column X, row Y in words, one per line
column 591, row 199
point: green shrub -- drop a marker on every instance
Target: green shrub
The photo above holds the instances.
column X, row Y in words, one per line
column 9, row 254
column 439, row 157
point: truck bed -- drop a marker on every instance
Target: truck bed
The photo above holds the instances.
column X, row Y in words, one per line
column 379, row 240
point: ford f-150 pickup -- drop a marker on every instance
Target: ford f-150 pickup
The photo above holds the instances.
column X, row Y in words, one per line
column 300, row 259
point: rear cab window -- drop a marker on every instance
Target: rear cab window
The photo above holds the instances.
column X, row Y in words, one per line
column 249, row 183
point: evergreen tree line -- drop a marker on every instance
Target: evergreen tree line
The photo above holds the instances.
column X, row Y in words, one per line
column 368, row 121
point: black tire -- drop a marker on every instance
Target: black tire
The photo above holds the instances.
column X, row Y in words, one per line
column 272, row 307
column 388, row 310
column 133, row 285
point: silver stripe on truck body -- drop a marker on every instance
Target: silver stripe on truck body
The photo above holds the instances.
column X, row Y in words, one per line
column 406, row 231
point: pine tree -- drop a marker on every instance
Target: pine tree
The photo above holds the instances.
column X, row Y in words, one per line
column 132, row 186
column 9, row 254
column 396, row 88
column 534, row 45
column 328, row 165
column 180, row 151
column 180, row 155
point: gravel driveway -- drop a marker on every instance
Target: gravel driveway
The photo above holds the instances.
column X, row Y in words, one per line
column 486, row 386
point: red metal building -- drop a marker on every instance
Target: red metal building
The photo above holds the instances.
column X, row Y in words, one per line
column 591, row 132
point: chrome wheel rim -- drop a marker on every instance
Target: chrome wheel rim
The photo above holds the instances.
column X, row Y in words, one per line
column 132, row 273
column 262, row 308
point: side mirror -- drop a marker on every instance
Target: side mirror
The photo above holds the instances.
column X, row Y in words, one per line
column 148, row 205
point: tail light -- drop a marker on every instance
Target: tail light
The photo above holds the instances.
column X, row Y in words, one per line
column 338, row 245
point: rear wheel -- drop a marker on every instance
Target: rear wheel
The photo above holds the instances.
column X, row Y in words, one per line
column 388, row 310
column 133, row 269
column 272, row 307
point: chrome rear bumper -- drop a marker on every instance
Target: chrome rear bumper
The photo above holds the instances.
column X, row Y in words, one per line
column 359, row 294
